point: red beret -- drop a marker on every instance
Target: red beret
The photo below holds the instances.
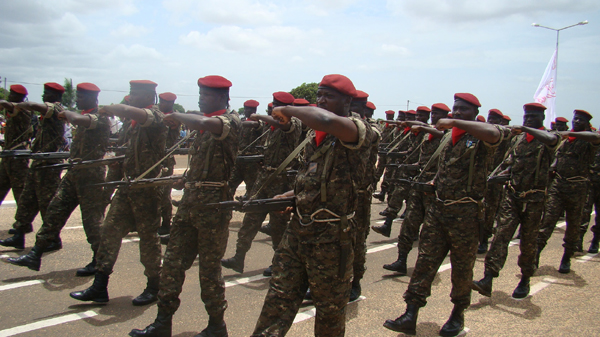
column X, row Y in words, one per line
column 390, row 112
column 251, row 103
column 372, row 106
column 361, row 96
column 214, row 81
column 583, row 112
column 506, row 117
column 301, row 102
column 401, row 112
column 270, row 105
column 340, row 83
column 143, row 84
column 481, row 118
column 423, row 108
column 441, row 106
column 19, row 89
column 552, row 123
column 562, row 119
column 54, row 86
column 411, row 112
column 283, row 97
column 534, row 107
column 450, row 115
column 496, row 112
column 88, row 87
column 168, row 96
column 469, row 98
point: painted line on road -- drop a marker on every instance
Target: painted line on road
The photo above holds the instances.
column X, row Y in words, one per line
column 245, row 280
column 74, row 227
column 4, row 256
column 382, row 221
column 546, row 282
column 21, row 284
column 585, row 258
column 47, row 323
column 308, row 314
column 130, row 240
column 381, row 248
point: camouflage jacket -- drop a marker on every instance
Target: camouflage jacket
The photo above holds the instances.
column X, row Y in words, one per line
column 427, row 149
column 371, row 172
column 146, row 145
column 575, row 158
column 90, row 143
column 387, row 134
column 279, row 144
column 50, row 134
column 524, row 158
column 18, row 129
column 595, row 168
column 329, row 179
column 172, row 139
column 468, row 158
column 249, row 135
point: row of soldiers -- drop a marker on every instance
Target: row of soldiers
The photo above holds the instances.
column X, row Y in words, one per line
column 322, row 244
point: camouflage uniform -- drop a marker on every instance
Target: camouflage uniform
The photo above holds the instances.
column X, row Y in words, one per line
column 197, row 232
column 494, row 194
column 243, row 171
column 76, row 187
column 363, row 209
column 40, row 185
column 593, row 200
column 166, row 208
column 13, row 171
column 278, row 146
column 137, row 209
column 318, row 254
column 402, row 189
column 115, row 170
column 452, row 222
column 418, row 202
column 386, row 137
column 397, row 135
column 523, row 204
column 568, row 192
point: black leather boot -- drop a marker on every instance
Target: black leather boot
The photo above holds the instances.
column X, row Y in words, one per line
column 236, row 262
column 216, row 328
column 579, row 246
column 455, row 324
column 355, row 291
column 149, row 295
column 380, row 195
column 164, row 229
column 399, row 266
column 17, row 241
column 33, row 259
column 522, row 289
column 484, row 286
column 483, row 246
column 594, row 245
column 89, row 269
column 266, row 229
column 53, row 246
column 268, row 272
column 407, row 323
column 162, row 327
column 386, row 228
column 565, row 263
column 28, row 229
column 98, row 292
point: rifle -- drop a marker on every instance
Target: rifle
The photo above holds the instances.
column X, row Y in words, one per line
column 250, row 159
column 383, row 145
column 409, row 168
column 81, row 164
column 252, row 206
column 423, row 187
column 15, row 153
column 27, row 154
column 142, row 183
column 499, row 179
column 393, row 155
column 292, row 173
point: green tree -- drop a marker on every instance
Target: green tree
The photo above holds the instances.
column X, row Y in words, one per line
column 4, row 94
column 68, row 98
column 240, row 111
column 308, row 91
column 178, row 108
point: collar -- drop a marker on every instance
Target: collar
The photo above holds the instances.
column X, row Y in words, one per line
column 84, row 112
column 216, row 113
column 320, row 136
column 457, row 135
column 572, row 139
column 529, row 137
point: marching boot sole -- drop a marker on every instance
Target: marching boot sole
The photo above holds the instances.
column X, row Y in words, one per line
column 394, row 327
column 475, row 286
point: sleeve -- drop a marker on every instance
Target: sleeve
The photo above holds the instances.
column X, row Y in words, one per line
column 226, row 128
column 93, row 122
column 558, row 138
column 53, row 109
column 363, row 134
column 295, row 125
column 504, row 134
column 150, row 118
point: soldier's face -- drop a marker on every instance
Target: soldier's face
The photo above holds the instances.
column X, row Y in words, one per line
column 580, row 122
column 422, row 116
column 463, row 110
column 333, row 101
column 494, row 119
column 389, row 117
column 402, row 117
column 140, row 98
column 210, row 100
column 249, row 111
column 437, row 114
column 86, row 100
column 411, row 117
column 561, row 126
column 358, row 107
column 14, row 97
column 533, row 119
column 51, row 96
column 165, row 106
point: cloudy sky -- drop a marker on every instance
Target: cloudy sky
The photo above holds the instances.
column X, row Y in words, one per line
column 399, row 51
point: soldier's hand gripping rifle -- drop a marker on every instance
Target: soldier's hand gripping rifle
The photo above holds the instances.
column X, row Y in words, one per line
column 142, row 183
column 81, row 164
column 253, row 206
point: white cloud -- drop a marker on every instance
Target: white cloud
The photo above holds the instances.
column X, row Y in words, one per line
column 135, row 52
column 395, row 50
column 122, row 7
column 225, row 12
column 129, row 31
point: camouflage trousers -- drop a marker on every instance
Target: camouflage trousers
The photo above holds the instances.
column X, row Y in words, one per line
column 416, row 208
column 40, row 186
column 593, row 202
column 296, row 266
column 166, row 207
column 132, row 210
column 75, row 190
column 382, row 160
column 363, row 224
column 568, row 197
column 514, row 211
column 246, row 172
column 397, row 197
column 195, row 233
column 253, row 221
column 115, row 173
column 453, row 229
column 492, row 203
column 387, row 176
column 13, row 172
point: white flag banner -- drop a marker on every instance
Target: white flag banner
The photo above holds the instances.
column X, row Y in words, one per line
column 546, row 91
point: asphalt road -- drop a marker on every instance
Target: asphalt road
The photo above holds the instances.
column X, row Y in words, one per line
column 38, row 303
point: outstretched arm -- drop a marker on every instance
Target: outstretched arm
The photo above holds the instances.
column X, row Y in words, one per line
column 75, row 118
column 271, row 121
column 320, row 119
column 198, row 122
column 482, row 131
column 541, row 135
column 588, row 136
column 127, row 111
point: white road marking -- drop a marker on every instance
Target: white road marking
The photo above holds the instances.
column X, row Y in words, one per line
column 20, row 284
column 382, row 221
column 546, row 282
column 585, row 258
column 244, row 280
column 381, row 248
column 4, row 256
column 46, row 323
column 308, row 314
column 130, row 240
column 74, row 227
